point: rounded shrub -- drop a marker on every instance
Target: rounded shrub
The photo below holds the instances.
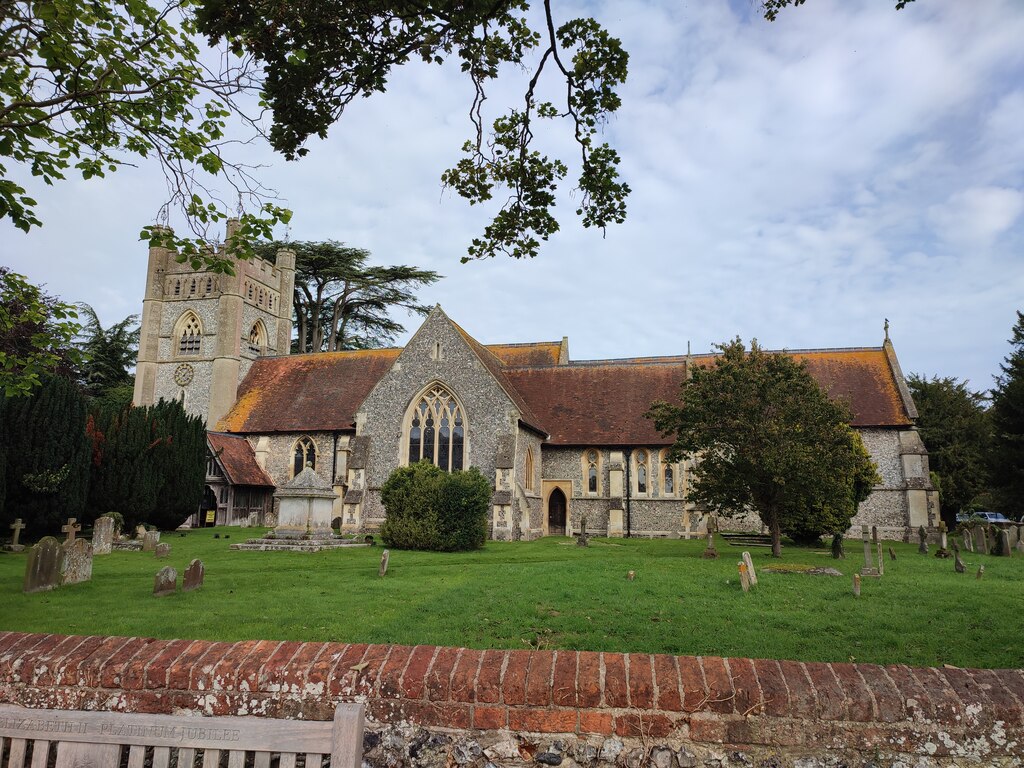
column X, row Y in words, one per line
column 430, row 509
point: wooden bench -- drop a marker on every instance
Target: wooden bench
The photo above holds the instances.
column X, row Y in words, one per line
column 69, row 739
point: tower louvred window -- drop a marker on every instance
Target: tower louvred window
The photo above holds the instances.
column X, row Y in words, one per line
column 190, row 340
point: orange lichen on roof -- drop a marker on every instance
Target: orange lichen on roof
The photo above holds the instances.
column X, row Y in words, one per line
column 307, row 393
column 527, row 355
column 864, row 379
column 238, row 460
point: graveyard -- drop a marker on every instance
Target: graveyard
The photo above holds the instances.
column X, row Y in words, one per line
column 548, row 594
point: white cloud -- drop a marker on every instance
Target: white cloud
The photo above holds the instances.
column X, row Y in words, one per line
column 971, row 220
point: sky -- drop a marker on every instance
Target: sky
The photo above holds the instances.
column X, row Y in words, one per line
column 797, row 182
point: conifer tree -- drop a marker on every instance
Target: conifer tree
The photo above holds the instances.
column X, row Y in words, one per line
column 1007, row 456
column 47, row 456
column 180, row 447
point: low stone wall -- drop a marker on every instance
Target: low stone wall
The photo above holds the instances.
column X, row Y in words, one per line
column 445, row 707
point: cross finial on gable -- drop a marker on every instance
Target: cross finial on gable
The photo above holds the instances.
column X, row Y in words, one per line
column 887, row 329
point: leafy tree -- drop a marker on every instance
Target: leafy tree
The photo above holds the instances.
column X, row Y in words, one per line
column 341, row 302
column 956, row 429
column 1007, row 456
column 771, row 8
column 43, row 438
column 36, row 333
column 430, row 509
column 767, row 439
column 108, row 354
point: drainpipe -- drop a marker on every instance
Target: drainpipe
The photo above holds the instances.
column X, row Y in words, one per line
column 334, row 460
column 628, row 453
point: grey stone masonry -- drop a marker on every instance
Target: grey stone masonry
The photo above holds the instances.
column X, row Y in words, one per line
column 43, row 566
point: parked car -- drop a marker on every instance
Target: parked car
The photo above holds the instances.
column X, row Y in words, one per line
column 993, row 518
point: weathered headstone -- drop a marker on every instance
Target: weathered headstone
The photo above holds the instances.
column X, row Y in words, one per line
column 583, row 538
column 160, row 551
column 993, row 541
column 869, row 564
column 981, row 572
column 744, row 576
column 710, row 553
column 958, row 564
column 922, row 536
column 71, row 529
column 42, row 569
column 874, row 534
column 968, row 540
column 150, row 540
column 194, row 575
column 856, row 585
column 750, row 568
column 838, row 553
column 1019, row 546
column 140, row 532
column 16, row 545
column 103, row 536
column 943, row 550
column 166, row 581
column 1004, row 543
column 980, row 540
column 892, row 554
column 385, row 556
column 76, row 564
column 881, row 560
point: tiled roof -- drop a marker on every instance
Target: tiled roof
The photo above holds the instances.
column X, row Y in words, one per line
column 238, row 460
column 519, row 355
column 306, row 393
column 599, row 404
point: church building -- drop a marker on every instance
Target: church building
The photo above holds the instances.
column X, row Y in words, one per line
column 560, row 439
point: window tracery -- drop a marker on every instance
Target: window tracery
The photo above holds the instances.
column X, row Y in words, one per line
column 304, row 455
column 258, row 338
column 436, row 430
column 592, row 470
column 640, row 459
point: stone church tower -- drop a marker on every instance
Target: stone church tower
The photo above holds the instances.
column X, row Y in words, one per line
column 201, row 330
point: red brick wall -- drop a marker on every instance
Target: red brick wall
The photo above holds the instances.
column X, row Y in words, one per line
column 692, row 700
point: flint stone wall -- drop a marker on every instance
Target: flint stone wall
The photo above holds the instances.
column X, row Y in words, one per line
column 433, row 707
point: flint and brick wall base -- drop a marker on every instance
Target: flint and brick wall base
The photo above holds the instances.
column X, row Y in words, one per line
column 563, row 707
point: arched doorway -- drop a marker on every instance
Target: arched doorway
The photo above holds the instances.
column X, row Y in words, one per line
column 556, row 513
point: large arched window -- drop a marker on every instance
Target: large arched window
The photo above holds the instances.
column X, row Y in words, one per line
column 304, row 455
column 189, row 332
column 436, row 429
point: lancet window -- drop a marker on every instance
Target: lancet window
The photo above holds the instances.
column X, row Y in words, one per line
column 642, row 471
column 190, row 334
column 304, row 455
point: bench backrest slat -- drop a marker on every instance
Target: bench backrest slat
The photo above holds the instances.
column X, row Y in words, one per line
column 96, row 738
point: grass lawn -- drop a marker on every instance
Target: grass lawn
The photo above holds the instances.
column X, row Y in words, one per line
column 551, row 594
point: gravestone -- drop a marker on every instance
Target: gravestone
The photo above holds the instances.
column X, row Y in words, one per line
column 869, row 560
column 71, row 529
column 140, row 532
column 856, row 585
column 744, row 576
column 42, row 569
column 922, row 536
column 838, row 553
column 710, row 553
column 1004, row 543
column 631, row 576
column 980, row 540
column 991, row 538
column 162, row 550
column 968, row 540
column 881, row 560
column 892, row 554
column 981, row 572
column 1019, row 546
column 150, row 540
column 103, row 536
column 194, row 575
column 166, row 581
column 943, row 550
column 385, row 557
column 16, row 545
column 750, row 568
column 958, row 564
column 583, row 538
column 76, row 564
